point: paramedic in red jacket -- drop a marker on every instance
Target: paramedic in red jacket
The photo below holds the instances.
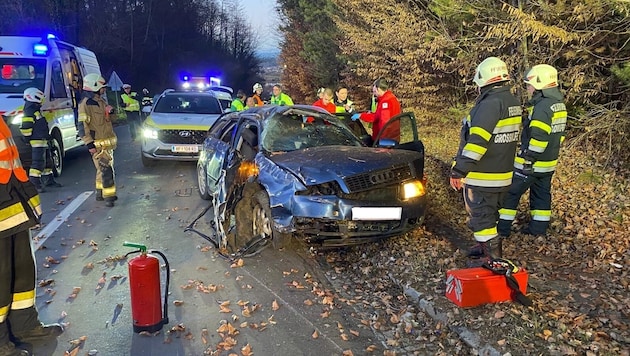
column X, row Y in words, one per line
column 387, row 107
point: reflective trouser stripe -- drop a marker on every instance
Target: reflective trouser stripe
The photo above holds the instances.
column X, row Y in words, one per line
column 541, row 215
column 485, row 234
column 4, row 311
column 507, row 214
column 23, row 300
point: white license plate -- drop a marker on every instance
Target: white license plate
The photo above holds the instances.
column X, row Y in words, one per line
column 185, row 149
column 376, row 213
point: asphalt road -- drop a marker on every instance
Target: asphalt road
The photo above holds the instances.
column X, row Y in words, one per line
column 278, row 301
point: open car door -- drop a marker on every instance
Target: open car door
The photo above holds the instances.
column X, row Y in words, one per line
column 409, row 139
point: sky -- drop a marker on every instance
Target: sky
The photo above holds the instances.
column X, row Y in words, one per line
column 263, row 18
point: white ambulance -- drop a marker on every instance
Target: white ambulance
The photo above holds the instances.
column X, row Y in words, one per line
column 55, row 67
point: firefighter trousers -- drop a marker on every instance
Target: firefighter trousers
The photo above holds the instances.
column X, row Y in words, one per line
column 17, row 285
column 539, row 203
column 483, row 212
column 105, row 180
column 42, row 163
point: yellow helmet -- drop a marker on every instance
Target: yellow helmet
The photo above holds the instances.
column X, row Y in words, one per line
column 542, row 76
column 93, row 82
column 491, row 70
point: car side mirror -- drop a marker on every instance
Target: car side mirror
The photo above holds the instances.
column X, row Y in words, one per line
column 386, row 142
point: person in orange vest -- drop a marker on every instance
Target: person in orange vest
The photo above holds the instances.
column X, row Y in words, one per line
column 258, row 89
column 388, row 106
column 98, row 135
column 326, row 101
column 20, row 210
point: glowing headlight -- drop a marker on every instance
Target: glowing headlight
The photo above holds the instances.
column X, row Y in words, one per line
column 186, row 85
column 149, row 132
column 17, row 119
column 413, row 189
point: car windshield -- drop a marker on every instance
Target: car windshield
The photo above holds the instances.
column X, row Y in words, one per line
column 184, row 103
column 19, row 74
column 285, row 133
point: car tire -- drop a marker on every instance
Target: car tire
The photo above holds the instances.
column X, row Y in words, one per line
column 202, row 181
column 262, row 221
column 146, row 161
column 57, row 156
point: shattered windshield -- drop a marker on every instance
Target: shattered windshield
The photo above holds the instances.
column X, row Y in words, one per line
column 18, row 74
column 285, row 133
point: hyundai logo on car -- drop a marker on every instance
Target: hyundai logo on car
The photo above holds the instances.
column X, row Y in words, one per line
column 185, row 133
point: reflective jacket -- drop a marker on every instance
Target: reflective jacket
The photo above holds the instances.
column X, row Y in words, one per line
column 131, row 104
column 387, row 107
column 237, row 105
column 341, row 105
column 488, row 140
column 20, row 206
column 97, row 130
column 34, row 126
column 282, row 99
column 543, row 131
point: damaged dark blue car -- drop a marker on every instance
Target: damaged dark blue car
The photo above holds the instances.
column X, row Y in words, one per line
column 276, row 173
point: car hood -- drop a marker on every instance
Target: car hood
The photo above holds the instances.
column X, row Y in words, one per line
column 330, row 163
column 181, row 121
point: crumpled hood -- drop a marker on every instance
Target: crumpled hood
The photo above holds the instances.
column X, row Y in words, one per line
column 182, row 121
column 325, row 164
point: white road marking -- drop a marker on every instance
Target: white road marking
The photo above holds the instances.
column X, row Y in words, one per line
column 59, row 219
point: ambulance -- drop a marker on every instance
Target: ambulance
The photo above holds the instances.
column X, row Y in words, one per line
column 55, row 67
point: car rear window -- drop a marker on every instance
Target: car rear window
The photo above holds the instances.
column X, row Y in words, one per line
column 188, row 104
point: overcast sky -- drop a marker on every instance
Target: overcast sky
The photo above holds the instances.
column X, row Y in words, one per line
column 262, row 16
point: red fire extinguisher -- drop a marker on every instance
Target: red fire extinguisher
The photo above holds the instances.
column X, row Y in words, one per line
column 144, row 285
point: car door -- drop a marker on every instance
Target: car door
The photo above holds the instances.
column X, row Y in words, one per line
column 220, row 151
column 409, row 139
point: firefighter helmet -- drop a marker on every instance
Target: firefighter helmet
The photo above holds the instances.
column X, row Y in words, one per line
column 34, row 95
column 126, row 86
column 257, row 86
column 93, row 82
column 491, row 70
column 542, row 76
column 145, row 91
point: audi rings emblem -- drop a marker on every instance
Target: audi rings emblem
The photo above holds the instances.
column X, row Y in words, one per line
column 382, row 177
column 185, row 133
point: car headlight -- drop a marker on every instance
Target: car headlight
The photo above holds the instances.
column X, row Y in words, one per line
column 413, row 189
column 17, row 119
column 149, row 132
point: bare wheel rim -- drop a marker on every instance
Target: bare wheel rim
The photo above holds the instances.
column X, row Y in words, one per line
column 261, row 222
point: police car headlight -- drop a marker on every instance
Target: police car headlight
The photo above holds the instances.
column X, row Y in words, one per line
column 413, row 189
column 17, row 119
column 149, row 132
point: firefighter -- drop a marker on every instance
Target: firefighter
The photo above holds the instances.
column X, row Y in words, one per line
column 483, row 165
column 20, row 210
column 258, row 89
column 238, row 104
column 132, row 109
column 147, row 102
column 99, row 137
column 388, row 107
column 35, row 130
column 278, row 97
column 535, row 163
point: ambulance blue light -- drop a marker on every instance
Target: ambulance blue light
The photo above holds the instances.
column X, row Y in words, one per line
column 40, row 49
column 50, row 36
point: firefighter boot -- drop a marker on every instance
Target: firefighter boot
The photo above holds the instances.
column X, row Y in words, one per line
column 109, row 202
column 49, row 181
column 40, row 333
column 491, row 249
column 6, row 346
column 37, row 182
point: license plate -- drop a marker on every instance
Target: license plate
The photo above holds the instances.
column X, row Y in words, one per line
column 376, row 213
column 185, row 149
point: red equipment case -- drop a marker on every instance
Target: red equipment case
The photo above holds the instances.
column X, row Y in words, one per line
column 471, row 287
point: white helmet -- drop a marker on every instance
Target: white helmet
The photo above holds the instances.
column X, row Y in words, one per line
column 542, row 76
column 93, row 82
column 491, row 70
column 34, row 95
column 126, row 86
column 257, row 86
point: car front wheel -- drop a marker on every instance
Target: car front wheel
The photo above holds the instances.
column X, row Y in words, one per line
column 202, row 182
column 262, row 221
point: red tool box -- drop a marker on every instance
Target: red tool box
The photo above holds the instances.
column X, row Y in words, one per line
column 471, row 287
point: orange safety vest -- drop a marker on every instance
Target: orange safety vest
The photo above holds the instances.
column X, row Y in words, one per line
column 9, row 157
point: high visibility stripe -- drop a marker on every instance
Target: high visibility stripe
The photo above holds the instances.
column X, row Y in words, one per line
column 479, row 131
column 537, row 146
column 83, row 117
column 541, row 215
column 109, row 192
column 36, row 205
column 14, row 220
column 560, row 117
column 10, row 165
column 23, row 300
column 33, row 172
column 507, row 214
column 562, row 138
column 486, row 234
column 4, row 312
column 106, row 142
column 39, row 143
column 541, row 125
column 489, row 179
column 4, row 144
column 510, row 124
column 473, row 151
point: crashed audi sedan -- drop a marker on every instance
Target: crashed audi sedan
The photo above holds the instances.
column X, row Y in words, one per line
column 283, row 172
